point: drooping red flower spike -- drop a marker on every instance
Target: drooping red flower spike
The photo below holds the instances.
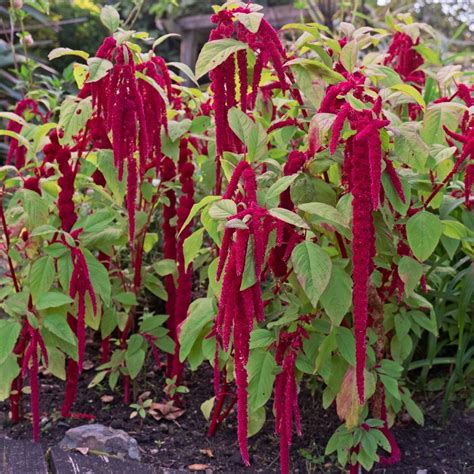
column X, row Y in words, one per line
column 286, row 392
column 362, row 166
column 184, row 283
column 239, row 307
column 16, row 152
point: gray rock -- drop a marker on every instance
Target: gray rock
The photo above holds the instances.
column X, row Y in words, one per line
column 103, row 439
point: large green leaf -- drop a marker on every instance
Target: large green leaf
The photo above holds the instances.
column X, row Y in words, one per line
column 337, row 297
column 9, row 332
column 312, row 266
column 200, row 313
column 9, row 370
column 56, row 322
column 73, row 117
column 423, row 232
column 215, row 53
column 262, row 370
column 41, row 276
column 250, row 133
column 191, row 246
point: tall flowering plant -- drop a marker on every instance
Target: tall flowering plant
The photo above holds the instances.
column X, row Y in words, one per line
column 295, row 217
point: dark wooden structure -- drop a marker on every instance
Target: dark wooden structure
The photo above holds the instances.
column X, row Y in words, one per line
column 25, row 457
column 194, row 30
column 21, row 457
column 70, row 462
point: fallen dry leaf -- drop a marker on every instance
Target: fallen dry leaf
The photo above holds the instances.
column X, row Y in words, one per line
column 107, row 398
column 88, row 365
column 83, row 451
column 198, row 467
column 207, row 452
column 165, row 410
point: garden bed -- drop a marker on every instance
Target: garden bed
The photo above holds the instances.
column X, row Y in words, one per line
column 177, row 445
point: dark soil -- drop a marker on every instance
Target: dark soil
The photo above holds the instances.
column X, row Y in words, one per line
column 173, row 446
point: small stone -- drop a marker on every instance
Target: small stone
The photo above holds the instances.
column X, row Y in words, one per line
column 422, row 471
column 103, row 439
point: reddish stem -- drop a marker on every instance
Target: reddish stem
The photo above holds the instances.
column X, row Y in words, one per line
column 7, row 238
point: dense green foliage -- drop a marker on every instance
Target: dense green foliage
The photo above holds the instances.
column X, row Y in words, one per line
column 320, row 214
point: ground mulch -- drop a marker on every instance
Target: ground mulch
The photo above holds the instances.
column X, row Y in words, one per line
column 173, row 446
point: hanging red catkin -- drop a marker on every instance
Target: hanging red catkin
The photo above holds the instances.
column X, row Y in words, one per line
column 154, row 107
column 281, row 253
column 184, row 287
column 362, row 241
column 243, row 78
column 239, row 307
column 16, row 152
column 126, row 120
column 286, row 392
column 168, row 174
column 395, row 180
column 363, row 157
column 17, row 385
column 30, row 363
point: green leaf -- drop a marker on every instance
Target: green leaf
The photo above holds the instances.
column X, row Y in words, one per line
column 52, row 299
column 155, row 286
column 98, row 68
column 223, row 209
column 60, row 52
column 166, row 344
column 127, row 298
column 410, row 91
column 249, row 277
column 99, row 277
column 197, row 207
column 177, row 129
column 16, row 136
column 41, row 276
column 56, row 363
column 414, row 411
column 326, row 212
column 135, row 343
column 200, row 313
column 151, row 238
column 251, row 134
column 261, row 338
column 437, row 116
column 279, row 186
column 256, row 421
column 9, row 370
column 135, row 362
column 163, row 38
column 56, row 322
column 36, row 209
column 73, row 117
column 455, row 230
column 288, row 216
column 9, row 332
column 191, row 246
column 348, row 55
column 110, row 18
column 262, row 370
column 410, row 272
column 251, row 21
column 215, row 53
column 337, row 297
column 312, row 266
column 392, row 195
column 423, row 232
column 391, row 385
column 346, row 344
column 206, row 408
